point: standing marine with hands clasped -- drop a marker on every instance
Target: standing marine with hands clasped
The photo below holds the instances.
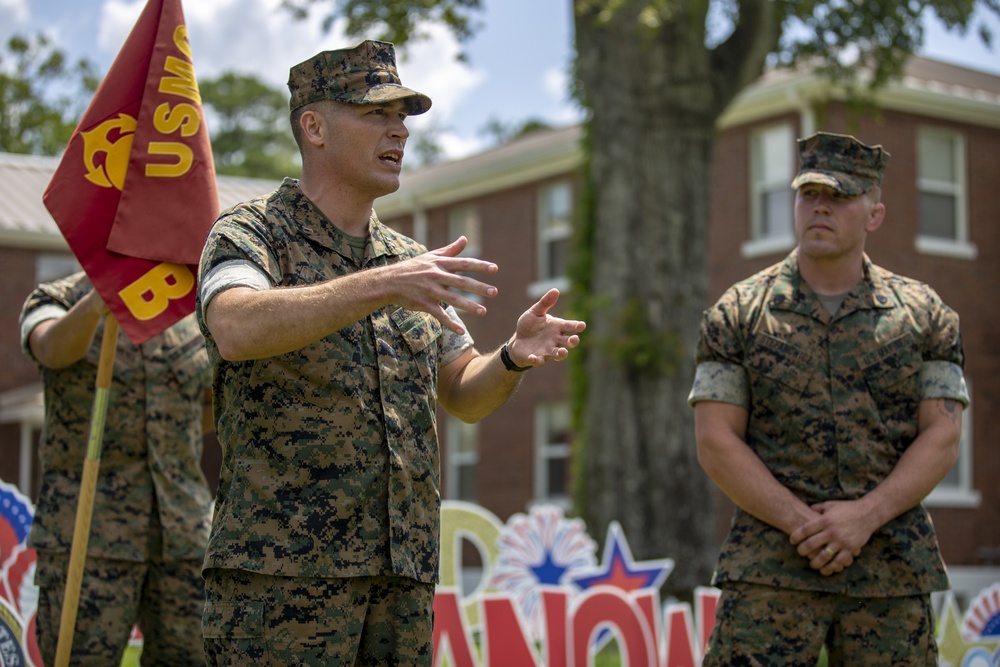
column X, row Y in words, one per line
column 333, row 339
column 828, row 403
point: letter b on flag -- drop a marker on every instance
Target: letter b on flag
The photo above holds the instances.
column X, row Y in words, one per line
column 150, row 295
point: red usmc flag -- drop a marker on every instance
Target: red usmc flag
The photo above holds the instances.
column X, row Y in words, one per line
column 135, row 193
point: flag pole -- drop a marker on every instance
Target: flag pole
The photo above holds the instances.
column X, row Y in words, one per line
column 88, row 487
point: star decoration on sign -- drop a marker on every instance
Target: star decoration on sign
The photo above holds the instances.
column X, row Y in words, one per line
column 957, row 650
column 619, row 569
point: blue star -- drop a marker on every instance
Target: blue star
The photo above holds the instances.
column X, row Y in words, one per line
column 548, row 572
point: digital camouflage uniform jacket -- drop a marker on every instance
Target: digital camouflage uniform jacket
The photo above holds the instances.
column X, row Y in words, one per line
column 152, row 445
column 330, row 453
column 832, row 406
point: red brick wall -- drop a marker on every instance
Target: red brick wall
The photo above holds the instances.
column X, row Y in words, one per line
column 19, row 280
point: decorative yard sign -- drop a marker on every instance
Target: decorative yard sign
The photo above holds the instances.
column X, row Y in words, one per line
column 542, row 586
column 543, row 598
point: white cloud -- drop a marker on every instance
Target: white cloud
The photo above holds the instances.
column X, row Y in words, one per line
column 554, row 79
column 557, row 86
column 430, row 67
column 456, row 146
column 254, row 37
column 248, row 36
column 14, row 12
column 117, row 19
column 14, row 18
column 260, row 38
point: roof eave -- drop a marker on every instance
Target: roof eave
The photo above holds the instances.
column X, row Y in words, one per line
column 510, row 166
column 15, row 238
column 910, row 94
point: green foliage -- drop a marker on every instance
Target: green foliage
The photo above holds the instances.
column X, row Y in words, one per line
column 581, row 308
column 423, row 148
column 397, row 21
column 502, row 133
column 637, row 347
column 847, row 38
column 248, row 124
column 42, row 96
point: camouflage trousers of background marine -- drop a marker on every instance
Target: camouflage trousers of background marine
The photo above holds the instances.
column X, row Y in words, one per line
column 165, row 599
column 264, row 620
column 758, row 626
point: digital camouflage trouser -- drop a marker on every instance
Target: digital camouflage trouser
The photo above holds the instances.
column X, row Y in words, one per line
column 164, row 599
column 763, row 626
column 282, row 621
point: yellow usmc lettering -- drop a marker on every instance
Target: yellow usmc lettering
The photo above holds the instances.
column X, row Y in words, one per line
column 183, row 117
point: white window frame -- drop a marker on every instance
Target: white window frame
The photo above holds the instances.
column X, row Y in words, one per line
column 457, row 459
column 551, row 229
column 546, row 450
column 761, row 184
column 958, row 247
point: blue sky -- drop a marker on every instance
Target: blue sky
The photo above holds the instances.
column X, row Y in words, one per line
column 516, row 68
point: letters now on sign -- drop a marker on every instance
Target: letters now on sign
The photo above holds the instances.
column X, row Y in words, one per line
column 544, row 600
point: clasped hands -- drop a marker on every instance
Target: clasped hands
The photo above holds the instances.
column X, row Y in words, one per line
column 834, row 536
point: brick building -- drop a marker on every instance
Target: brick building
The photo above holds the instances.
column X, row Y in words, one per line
column 515, row 203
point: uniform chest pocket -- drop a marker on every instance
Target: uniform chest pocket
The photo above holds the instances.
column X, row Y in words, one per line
column 892, row 372
column 419, row 330
column 774, row 362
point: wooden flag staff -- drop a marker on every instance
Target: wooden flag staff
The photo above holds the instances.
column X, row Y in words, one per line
column 88, row 487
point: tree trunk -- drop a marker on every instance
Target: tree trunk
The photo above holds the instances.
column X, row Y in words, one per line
column 648, row 84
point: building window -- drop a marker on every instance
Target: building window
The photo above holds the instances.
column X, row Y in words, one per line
column 552, row 453
column 772, row 168
column 555, row 226
column 956, row 489
column 461, row 460
column 464, row 221
column 941, row 188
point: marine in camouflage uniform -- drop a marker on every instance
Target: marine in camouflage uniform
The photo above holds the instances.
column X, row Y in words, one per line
column 324, row 546
column 829, row 393
column 152, row 504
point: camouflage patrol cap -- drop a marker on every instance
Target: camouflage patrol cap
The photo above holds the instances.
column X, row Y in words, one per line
column 841, row 162
column 364, row 74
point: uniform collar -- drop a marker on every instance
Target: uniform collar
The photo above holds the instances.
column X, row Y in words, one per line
column 318, row 229
column 791, row 292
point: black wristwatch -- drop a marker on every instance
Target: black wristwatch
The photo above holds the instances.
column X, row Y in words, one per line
column 509, row 364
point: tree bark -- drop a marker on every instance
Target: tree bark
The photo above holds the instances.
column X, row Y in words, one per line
column 648, row 82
